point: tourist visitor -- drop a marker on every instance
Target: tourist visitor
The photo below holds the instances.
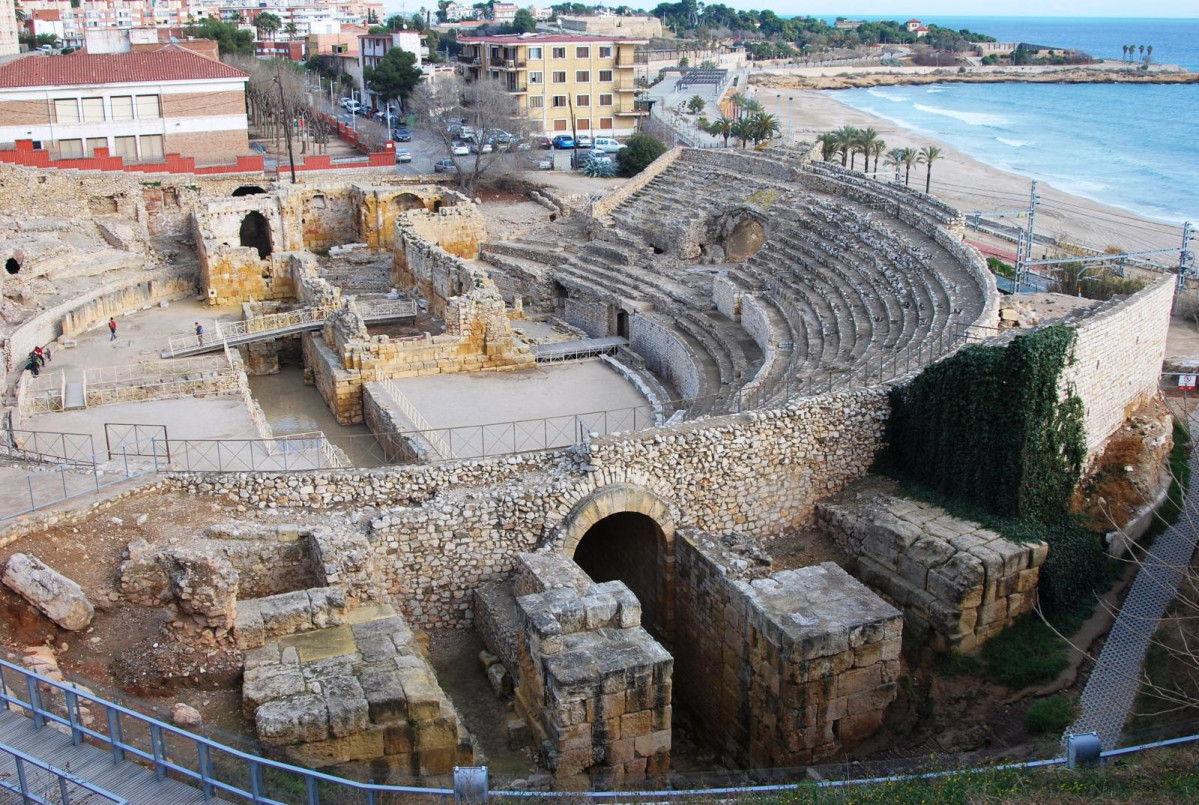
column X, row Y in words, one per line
column 32, row 365
column 39, row 356
column 112, row 328
column 200, row 333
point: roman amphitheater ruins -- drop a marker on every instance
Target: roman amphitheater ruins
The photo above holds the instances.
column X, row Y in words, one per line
column 719, row 334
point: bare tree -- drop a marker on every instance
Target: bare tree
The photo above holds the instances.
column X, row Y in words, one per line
column 486, row 109
column 278, row 96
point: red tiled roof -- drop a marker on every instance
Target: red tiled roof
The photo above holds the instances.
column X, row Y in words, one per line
column 171, row 63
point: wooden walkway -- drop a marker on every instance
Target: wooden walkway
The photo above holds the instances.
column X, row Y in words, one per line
column 134, row 782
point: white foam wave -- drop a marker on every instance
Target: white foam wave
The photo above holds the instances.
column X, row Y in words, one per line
column 1014, row 143
column 969, row 118
column 887, row 97
column 934, row 90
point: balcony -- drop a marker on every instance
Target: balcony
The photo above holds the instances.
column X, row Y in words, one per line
column 470, row 61
column 510, row 64
column 516, row 87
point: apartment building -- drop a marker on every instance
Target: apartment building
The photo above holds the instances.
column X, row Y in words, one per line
column 138, row 105
column 561, row 79
column 503, row 13
column 8, row 29
column 373, row 47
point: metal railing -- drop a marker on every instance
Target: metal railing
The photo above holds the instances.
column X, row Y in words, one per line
column 440, row 447
column 386, row 308
column 47, row 446
column 37, row 778
column 219, row 770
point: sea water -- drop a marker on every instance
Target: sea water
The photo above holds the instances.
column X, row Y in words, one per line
column 1133, row 146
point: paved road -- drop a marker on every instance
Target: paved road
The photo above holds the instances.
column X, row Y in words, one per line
column 1113, row 685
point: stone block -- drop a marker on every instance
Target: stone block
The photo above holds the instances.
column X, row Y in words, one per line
column 347, row 706
column 635, row 724
column 500, row 680
column 384, row 694
column 854, row 728
column 424, row 698
column 397, row 738
column 877, row 699
column 652, row 743
column 286, row 613
column 248, row 630
column 357, row 747
column 292, row 720
column 267, row 683
column 58, row 598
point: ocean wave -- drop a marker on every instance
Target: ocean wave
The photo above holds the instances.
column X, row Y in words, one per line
column 969, row 118
column 887, row 97
column 1014, row 143
column 934, row 90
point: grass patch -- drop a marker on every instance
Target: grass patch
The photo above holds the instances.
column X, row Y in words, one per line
column 958, row 665
column 1049, row 716
column 1026, row 653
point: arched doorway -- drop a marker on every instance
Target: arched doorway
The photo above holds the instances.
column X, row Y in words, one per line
column 12, row 266
column 247, row 190
column 632, row 547
column 407, row 201
column 256, row 233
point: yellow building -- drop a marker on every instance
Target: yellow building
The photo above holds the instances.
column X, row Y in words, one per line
column 560, row 77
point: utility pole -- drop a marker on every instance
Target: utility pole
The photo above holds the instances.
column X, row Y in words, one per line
column 1025, row 245
column 291, row 161
column 1185, row 259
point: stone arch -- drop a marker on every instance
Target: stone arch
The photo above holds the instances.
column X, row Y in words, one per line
column 626, row 532
column 247, row 190
column 12, row 265
column 407, row 201
column 255, row 233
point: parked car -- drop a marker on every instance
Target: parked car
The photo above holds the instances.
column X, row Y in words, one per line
column 523, row 146
column 459, row 148
column 481, row 148
column 563, row 142
column 607, row 144
column 351, row 105
column 537, row 163
column 402, row 136
column 445, row 166
column 584, row 157
column 583, row 141
column 544, row 143
column 403, row 155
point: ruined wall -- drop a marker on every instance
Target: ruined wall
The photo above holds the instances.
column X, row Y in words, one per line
column 957, row 583
column 453, row 526
column 321, row 216
column 590, row 316
column 231, row 272
column 1118, row 358
column 785, row 670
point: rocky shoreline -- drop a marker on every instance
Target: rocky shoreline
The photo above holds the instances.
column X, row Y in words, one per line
column 893, row 78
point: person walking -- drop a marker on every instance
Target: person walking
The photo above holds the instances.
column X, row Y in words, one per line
column 32, row 365
column 112, row 328
column 200, row 333
column 40, row 356
column 49, row 355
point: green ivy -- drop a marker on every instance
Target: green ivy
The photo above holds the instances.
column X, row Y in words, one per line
column 992, row 435
column 991, row 427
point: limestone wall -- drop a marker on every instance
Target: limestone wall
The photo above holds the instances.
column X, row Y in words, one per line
column 958, row 583
column 666, row 354
column 110, row 299
column 620, row 195
column 453, row 526
column 727, row 296
column 1118, row 358
column 592, row 317
column 785, row 670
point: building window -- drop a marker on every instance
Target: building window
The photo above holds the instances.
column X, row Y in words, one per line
column 605, row 123
column 536, row 102
column 122, row 107
column 93, row 143
column 66, row 110
column 536, row 77
column 558, row 53
column 151, row 145
column 559, row 77
column 560, row 125
column 605, row 76
column 583, row 52
column 583, row 124
column 605, row 100
column 70, row 149
column 534, row 53
column 148, row 108
column 582, row 76
column 559, row 102
column 124, row 147
column 582, row 100
column 605, row 52
column 93, row 110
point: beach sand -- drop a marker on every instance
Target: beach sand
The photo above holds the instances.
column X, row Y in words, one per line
column 971, row 185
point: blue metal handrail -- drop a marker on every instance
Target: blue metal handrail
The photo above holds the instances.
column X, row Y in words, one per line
column 65, row 779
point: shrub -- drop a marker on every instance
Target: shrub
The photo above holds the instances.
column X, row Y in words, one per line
column 639, row 151
column 1049, row 716
column 1026, row 653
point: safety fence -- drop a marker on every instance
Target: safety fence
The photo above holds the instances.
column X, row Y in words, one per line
column 220, row 770
column 39, row 782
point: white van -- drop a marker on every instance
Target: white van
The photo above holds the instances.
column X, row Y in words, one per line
column 606, row 144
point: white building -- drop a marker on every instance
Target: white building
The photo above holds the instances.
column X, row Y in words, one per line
column 371, row 50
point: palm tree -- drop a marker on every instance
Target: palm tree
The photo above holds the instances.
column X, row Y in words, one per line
column 908, row 157
column 845, row 137
column 763, row 126
column 877, row 147
column 1148, row 53
column 743, row 130
column 865, row 142
column 1142, row 50
column 752, row 106
column 291, row 30
column 928, row 155
column 736, row 101
column 828, row 145
column 720, row 127
column 894, row 160
column 1125, row 49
